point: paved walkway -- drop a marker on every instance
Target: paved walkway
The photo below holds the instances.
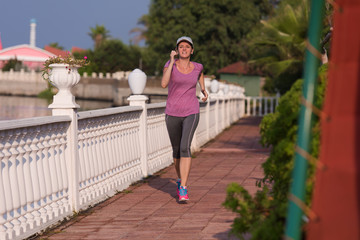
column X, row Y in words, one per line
column 150, row 210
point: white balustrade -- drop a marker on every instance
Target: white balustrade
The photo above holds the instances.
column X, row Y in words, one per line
column 52, row 166
column 260, row 106
column 27, row 175
column 109, row 152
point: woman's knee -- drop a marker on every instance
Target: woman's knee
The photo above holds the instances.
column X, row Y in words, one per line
column 185, row 152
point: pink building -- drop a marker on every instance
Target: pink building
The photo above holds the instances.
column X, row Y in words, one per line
column 31, row 56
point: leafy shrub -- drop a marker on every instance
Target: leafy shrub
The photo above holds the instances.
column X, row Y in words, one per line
column 264, row 215
column 14, row 64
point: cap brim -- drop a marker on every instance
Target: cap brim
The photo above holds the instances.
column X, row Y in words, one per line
column 184, row 41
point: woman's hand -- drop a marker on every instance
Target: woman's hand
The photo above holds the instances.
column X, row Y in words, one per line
column 172, row 55
column 205, row 95
column 167, row 70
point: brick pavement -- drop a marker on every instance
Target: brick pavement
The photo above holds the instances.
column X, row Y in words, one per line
column 150, row 210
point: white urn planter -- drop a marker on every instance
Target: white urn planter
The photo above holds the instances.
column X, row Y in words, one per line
column 64, row 77
column 137, row 81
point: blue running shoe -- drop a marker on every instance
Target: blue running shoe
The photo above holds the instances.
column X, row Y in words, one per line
column 183, row 194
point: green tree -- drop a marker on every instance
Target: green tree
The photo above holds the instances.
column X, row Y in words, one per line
column 56, row 45
column 99, row 34
column 216, row 28
column 111, row 56
column 14, row 64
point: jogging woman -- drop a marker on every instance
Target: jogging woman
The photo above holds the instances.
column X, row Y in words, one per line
column 182, row 107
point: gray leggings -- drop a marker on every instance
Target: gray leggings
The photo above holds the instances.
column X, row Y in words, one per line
column 181, row 131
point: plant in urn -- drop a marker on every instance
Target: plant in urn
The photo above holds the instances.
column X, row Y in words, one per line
column 63, row 74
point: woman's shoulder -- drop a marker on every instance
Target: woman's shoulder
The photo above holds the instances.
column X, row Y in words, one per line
column 198, row 65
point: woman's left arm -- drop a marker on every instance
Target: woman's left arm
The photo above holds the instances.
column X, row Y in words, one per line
column 202, row 86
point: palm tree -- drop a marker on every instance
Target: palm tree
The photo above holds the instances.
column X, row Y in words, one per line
column 282, row 44
column 141, row 31
column 98, row 34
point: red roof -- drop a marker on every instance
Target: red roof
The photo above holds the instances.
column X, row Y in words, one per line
column 77, row 49
column 55, row 51
column 238, row 67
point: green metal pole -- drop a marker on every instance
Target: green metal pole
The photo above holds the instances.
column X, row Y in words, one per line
column 295, row 213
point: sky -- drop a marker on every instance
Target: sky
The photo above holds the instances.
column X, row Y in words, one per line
column 68, row 22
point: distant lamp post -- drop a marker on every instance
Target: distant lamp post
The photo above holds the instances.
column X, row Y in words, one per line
column 226, row 89
column 214, row 86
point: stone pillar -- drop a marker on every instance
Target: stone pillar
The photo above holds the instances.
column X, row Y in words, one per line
column 137, row 82
column 140, row 100
column 64, row 104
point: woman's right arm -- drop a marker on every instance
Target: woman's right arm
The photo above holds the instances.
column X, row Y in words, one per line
column 167, row 71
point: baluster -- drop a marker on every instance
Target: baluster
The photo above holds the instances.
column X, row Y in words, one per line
column 46, row 129
column 3, row 208
column 136, row 141
column 109, row 154
column 106, row 154
column 21, row 179
column 127, row 158
column 91, row 161
column 83, row 167
column 82, row 174
column 101, row 157
column 15, row 191
column 125, row 141
column 56, row 171
column 96, row 169
column 41, row 175
column 61, row 161
column 87, row 161
column 97, row 155
column 254, row 106
column 34, row 178
column 28, row 183
column 117, row 154
column 272, row 105
column 122, row 149
column 260, row 106
column 151, row 138
column 112, row 154
column 266, row 105
column 51, row 172
column 106, row 160
column 7, row 187
column 128, row 142
column 133, row 143
column 117, row 157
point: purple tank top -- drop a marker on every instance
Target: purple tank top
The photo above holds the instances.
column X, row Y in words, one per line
column 182, row 100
